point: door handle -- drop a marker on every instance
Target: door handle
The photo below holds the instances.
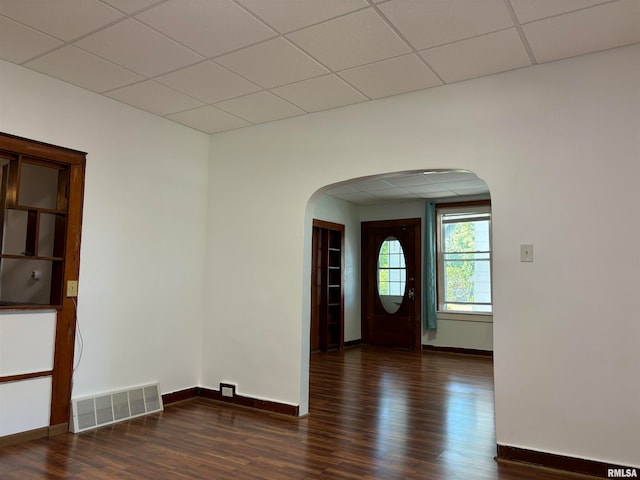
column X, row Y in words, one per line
column 411, row 293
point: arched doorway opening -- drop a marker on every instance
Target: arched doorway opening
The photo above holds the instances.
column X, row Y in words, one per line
column 387, row 197
column 393, row 198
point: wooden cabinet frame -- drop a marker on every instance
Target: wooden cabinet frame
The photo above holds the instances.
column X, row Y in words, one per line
column 61, row 374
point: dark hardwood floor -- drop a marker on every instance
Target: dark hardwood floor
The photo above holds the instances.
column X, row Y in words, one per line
column 375, row 414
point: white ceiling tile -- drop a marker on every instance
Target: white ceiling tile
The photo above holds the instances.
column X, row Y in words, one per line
column 349, row 196
column 83, row 69
column 285, row 15
column 64, row 19
column 320, row 93
column 409, row 180
column 449, row 177
column 19, row 43
column 272, row 63
column 395, row 194
column 335, row 51
column 352, row 40
column 426, row 189
column 441, row 194
column 373, row 200
column 154, row 98
column 209, row 27
column 527, row 10
column 410, row 186
column 137, row 47
column 209, row 119
column 466, row 184
column 597, row 28
column 391, row 77
column 360, row 198
column 260, row 107
column 478, row 56
column 131, row 6
column 428, row 23
column 373, row 185
column 208, row 82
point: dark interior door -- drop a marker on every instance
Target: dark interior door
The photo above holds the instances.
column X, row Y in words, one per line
column 391, row 283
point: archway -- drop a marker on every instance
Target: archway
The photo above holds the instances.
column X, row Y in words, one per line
column 386, row 197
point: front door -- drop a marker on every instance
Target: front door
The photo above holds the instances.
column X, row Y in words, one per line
column 391, row 283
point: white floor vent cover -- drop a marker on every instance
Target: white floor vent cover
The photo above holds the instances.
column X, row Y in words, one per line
column 106, row 408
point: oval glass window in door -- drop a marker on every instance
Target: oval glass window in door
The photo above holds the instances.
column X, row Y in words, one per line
column 392, row 274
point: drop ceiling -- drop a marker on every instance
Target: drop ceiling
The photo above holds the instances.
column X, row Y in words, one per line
column 217, row 65
column 407, row 186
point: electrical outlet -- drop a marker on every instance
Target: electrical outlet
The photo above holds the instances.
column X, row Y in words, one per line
column 227, row 390
column 72, row 288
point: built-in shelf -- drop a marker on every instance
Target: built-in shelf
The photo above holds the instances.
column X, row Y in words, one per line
column 37, row 209
column 33, row 228
column 327, row 312
column 31, row 257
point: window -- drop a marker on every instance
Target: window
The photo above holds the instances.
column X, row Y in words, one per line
column 392, row 271
column 464, row 258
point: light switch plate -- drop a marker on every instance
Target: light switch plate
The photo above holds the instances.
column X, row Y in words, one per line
column 72, row 288
column 526, row 252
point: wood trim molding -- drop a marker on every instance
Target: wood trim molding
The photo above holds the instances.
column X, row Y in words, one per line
column 352, row 343
column 35, row 434
column 472, row 203
column 243, row 401
column 21, row 437
column 329, row 225
column 25, row 376
column 36, row 149
column 458, row 351
column 179, row 396
column 58, row 429
column 561, row 462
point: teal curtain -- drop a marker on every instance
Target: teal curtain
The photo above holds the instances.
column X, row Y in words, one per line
column 430, row 303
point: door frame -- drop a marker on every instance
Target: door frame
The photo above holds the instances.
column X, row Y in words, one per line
column 64, row 342
column 366, row 277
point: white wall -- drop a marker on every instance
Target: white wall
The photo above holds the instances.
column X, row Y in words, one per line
column 393, row 211
column 140, row 303
column 550, row 141
column 338, row 211
column 473, row 332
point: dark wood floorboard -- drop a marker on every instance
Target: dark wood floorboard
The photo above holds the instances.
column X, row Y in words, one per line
column 375, row 414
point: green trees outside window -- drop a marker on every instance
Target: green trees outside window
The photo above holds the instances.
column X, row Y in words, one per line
column 465, row 260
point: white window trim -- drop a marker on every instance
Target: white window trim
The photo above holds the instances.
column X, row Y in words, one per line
column 481, row 316
column 451, row 315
